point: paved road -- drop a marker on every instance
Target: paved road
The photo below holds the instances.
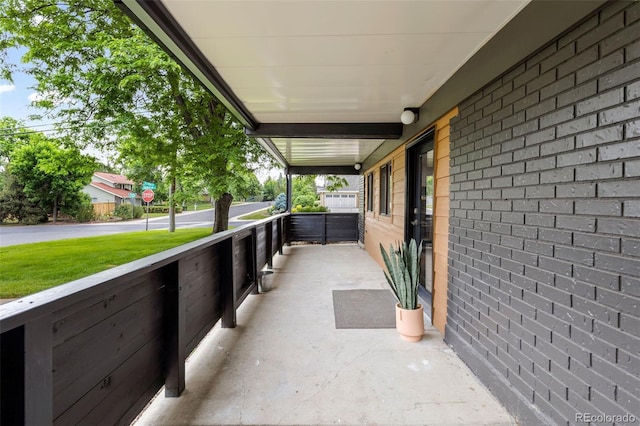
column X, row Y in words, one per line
column 13, row 235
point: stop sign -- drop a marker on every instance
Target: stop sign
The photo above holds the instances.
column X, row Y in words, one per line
column 147, row 195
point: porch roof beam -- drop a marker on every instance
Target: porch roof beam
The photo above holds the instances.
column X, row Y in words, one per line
column 271, row 148
column 327, row 130
column 322, row 170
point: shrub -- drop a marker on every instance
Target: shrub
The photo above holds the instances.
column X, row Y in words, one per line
column 84, row 213
column 280, row 205
column 309, row 209
column 33, row 216
column 124, row 211
column 305, row 200
column 16, row 206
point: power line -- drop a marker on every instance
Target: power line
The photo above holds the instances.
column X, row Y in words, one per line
column 44, row 125
column 30, row 132
column 32, row 126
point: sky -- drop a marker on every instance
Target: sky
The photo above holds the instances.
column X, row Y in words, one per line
column 16, row 96
column 16, row 99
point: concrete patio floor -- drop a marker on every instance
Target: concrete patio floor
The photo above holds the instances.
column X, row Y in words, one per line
column 286, row 363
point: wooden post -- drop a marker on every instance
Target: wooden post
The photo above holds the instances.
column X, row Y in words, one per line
column 280, row 242
column 254, row 260
column 38, row 372
column 175, row 330
column 324, row 228
column 227, row 284
column 289, row 192
column 269, row 244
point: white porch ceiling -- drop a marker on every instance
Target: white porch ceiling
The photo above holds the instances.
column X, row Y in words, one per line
column 326, row 152
column 333, row 61
column 338, row 61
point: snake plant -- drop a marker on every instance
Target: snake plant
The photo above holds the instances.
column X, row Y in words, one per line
column 403, row 265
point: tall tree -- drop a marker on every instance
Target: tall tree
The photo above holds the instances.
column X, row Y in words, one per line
column 51, row 175
column 246, row 188
column 274, row 187
column 12, row 135
column 14, row 204
column 106, row 80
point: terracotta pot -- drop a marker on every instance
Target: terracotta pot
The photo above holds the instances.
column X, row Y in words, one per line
column 410, row 323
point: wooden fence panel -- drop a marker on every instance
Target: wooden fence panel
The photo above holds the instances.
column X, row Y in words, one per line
column 202, row 297
column 103, row 208
column 324, row 227
column 341, row 227
column 92, row 358
column 307, row 227
column 261, row 247
column 244, row 266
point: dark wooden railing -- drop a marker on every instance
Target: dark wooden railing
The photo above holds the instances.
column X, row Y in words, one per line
column 96, row 350
column 323, row 227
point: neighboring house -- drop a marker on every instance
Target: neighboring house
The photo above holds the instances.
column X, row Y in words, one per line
column 108, row 191
column 344, row 200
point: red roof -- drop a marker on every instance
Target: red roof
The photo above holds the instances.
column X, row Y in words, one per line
column 110, row 177
column 122, row 193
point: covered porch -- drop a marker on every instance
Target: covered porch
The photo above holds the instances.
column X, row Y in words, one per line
column 524, row 118
column 286, row 363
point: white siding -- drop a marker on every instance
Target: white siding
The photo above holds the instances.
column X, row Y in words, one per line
column 99, row 196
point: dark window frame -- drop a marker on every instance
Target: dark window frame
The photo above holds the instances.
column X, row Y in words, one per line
column 386, row 176
column 370, row 192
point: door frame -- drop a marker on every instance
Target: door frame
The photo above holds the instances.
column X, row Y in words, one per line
column 410, row 192
column 426, row 138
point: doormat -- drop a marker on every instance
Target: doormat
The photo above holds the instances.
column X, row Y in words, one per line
column 364, row 308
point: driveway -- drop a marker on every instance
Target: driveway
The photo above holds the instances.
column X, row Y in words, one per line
column 13, row 235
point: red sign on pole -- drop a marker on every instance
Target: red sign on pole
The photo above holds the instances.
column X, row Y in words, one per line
column 147, row 195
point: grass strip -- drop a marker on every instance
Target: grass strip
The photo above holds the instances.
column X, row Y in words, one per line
column 261, row 214
column 29, row 268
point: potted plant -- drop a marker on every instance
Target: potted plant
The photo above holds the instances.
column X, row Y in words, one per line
column 403, row 265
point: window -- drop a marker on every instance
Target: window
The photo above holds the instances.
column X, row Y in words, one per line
column 385, row 189
column 370, row 192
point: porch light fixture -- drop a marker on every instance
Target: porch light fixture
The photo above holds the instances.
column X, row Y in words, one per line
column 409, row 115
column 357, row 166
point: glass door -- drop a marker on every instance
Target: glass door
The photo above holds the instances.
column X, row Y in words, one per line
column 420, row 201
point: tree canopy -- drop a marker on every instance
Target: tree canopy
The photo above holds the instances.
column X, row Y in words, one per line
column 41, row 174
column 274, row 187
column 106, row 83
column 304, row 191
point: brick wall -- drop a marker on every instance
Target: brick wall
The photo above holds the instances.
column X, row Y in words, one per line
column 544, row 241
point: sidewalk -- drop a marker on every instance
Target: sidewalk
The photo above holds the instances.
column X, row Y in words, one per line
column 286, row 363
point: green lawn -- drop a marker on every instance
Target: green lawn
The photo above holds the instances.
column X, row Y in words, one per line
column 261, row 214
column 29, row 268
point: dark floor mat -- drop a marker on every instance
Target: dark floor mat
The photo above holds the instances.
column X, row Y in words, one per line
column 364, row 309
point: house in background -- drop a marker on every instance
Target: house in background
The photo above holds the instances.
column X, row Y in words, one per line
column 344, row 200
column 108, row 191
